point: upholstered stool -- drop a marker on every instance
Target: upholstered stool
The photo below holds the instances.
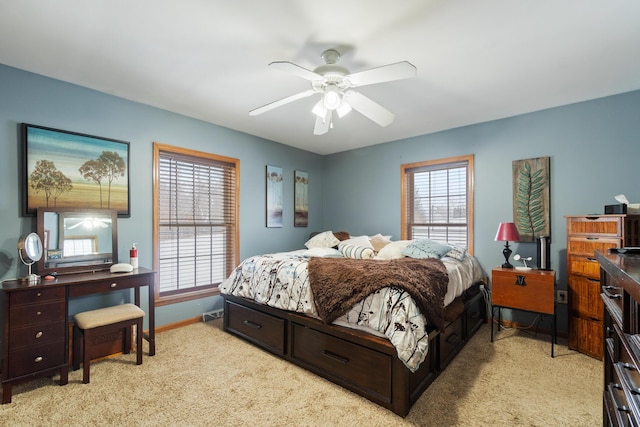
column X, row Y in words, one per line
column 90, row 324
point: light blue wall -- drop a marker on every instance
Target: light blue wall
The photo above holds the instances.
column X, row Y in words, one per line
column 30, row 98
column 594, row 148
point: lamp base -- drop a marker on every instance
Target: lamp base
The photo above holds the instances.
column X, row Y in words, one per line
column 507, row 253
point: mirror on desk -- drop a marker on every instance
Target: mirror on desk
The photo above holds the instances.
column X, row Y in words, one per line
column 76, row 240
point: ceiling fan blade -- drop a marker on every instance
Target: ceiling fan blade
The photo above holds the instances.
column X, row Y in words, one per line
column 290, row 67
column 369, row 108
column 385, row 73
column 322, row 124
column 281, row 102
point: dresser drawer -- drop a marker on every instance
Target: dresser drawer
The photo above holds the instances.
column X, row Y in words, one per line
column 32, row 314
column 528, row 290
column 603, row 225
column 260, row 328
column 583, row 266
column 584, row 297
column 108, row 285
column 587, row 246
column 342, row 360
column 33, row 359
column 36, row 334
column 451, row 341
column 586, row 335
column 40, row 294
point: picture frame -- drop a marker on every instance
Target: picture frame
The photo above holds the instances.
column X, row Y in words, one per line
column 301, row 199
column 67, row 169
column 531, row 198
column 275, row 196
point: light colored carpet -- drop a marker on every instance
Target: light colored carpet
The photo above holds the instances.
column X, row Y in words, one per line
column 201, row 376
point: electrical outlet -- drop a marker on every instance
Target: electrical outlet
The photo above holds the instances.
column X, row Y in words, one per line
column 561, row 297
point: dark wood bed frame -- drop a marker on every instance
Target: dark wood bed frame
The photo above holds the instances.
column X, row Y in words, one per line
column 363, row 363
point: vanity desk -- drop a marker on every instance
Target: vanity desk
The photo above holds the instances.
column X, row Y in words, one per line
column 36, row 321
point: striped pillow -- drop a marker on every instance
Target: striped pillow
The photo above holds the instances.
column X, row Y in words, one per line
column 356, row 252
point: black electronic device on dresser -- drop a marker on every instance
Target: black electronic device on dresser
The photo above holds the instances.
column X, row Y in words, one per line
column 620, row 292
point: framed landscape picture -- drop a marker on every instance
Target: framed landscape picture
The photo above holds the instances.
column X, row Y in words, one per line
column 301, row 199
column 72, row 170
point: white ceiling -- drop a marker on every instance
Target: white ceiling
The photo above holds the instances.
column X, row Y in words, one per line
column 477, row 60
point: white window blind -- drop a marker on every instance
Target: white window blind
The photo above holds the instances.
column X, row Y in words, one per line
column 196, row 222
column 436, row 202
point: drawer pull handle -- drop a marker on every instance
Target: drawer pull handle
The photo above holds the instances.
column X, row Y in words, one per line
column 39, row 294
column 113, row 285
column 520, row 280
column 591, row 259
column 38, row 313
column 609, row 294
column 609, row 332
column 593, row 238
column 252, row 324
column 594, row 280
column 452, row 338
column 628, row 366
column 620, row 407
column 38, row 359
column 39, row 334
column 335, row 357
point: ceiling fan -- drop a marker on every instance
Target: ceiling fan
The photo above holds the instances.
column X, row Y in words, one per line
column 337, row 84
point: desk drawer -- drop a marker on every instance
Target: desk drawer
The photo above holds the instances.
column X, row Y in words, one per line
column 342, row 360
column 33, row 314
column 38, row 295
column 583, row 266
column 260, row 328
column 36, row 334
column 587, row 246
column 33, row 359
column 603, row 225
column 108, row 285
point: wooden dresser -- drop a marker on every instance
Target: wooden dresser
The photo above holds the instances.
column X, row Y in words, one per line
column 585, row 235
column 620, row 276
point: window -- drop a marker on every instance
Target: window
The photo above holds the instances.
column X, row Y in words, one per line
column 437, row 201
column 195, row 222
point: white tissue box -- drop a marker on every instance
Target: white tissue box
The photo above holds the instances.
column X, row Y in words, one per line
column 633, row 209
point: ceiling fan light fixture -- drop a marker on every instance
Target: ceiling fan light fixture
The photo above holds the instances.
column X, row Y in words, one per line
column 332, row 98
column 343, row 109
column 319, row 109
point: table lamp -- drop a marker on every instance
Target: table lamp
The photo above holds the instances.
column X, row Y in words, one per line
column 507, row 231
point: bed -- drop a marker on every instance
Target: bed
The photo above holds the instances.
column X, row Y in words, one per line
column 310, row 308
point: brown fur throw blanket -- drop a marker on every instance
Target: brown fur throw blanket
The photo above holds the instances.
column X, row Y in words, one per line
column 339, row 283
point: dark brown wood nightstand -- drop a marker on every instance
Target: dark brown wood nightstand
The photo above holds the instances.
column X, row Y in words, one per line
column 528, row 290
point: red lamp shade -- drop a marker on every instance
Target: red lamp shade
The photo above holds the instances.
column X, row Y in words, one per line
column 507, row 232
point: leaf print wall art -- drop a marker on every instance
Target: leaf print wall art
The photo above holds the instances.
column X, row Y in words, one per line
column 531, row 188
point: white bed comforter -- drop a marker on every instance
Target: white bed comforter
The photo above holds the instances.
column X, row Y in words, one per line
column 280, row 280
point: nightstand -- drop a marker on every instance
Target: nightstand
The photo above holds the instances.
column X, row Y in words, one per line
column 527, row 290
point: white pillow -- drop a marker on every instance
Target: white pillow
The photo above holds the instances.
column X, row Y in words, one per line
column 355, row 251
column 358, row 241
column 393, row 250
column 379, row 241
column 325, row 239
column 323, row 252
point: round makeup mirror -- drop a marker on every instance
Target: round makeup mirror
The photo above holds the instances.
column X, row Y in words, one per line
column 30, row 252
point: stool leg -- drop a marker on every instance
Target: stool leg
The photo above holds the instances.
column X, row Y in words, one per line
column 139, row 342
column 86, row 361
column 77, row 337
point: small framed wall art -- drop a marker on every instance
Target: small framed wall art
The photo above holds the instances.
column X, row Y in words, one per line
column 301, row 199
column 275, row 196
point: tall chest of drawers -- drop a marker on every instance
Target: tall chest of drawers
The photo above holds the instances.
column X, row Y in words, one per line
column 587, row 234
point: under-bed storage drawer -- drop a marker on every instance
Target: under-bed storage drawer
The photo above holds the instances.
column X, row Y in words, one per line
column 474, row 314
column 368, row 369
column 451, row 341
column 260, row 328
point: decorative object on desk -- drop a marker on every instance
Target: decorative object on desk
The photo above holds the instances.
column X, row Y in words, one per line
column 274, row 196
column 531, row 188
column 507, row 231
column 517, row 257
column 121, row 268
column 30, row 252
column 133, row 256
column 73, row 170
